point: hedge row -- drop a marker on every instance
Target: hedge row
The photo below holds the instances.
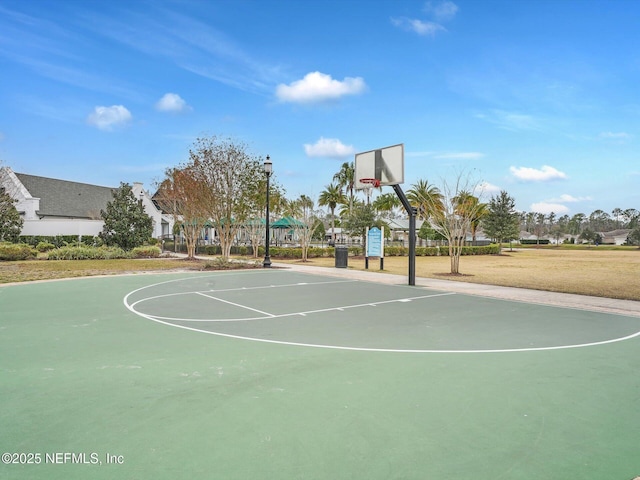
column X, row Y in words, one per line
column 542, row 241
column 59, row 240
column 16, row 251
column 314, row 252
column 65, row 240
column 441, row 251
column 83, row 252
column 278, row 252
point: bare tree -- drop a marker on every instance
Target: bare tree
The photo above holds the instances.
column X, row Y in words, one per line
column 308, row 222
column 453, row 220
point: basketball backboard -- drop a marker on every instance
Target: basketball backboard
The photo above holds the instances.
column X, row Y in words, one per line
column 385, row 165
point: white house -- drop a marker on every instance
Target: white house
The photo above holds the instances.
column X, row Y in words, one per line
column 616, row 237
column 53, row 207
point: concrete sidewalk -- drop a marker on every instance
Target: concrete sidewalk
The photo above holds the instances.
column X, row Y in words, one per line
column 582, row 302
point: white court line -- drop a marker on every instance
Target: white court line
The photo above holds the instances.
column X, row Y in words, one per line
column 292, row 314
column 235, row 304
column 360, row 349
column 384, row 350
column 237, row 289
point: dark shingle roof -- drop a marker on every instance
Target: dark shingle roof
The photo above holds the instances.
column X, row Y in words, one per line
column 61, row 198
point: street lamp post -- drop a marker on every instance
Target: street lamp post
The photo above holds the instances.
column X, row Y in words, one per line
column 267, row 258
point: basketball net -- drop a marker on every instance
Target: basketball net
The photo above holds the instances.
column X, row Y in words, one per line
column 369, row 183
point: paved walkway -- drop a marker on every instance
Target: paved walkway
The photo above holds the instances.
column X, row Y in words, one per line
column 583, row 302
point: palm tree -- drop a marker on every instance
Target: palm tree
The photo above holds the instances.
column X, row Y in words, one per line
column 346, row 179
column 386, row 202
column 427, row 198
column 469, row 206
column 330, row 197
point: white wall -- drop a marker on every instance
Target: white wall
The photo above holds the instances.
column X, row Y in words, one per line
column 84, row 228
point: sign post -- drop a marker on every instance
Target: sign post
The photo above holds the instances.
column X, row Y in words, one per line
column 375, row 245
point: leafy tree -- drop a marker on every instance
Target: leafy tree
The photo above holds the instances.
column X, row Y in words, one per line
column 10, row 219
column 632, row 216
column 617, row 213
column 320, row 232
column 575, row 223
column 125, row 222
column 330, row 197
column 634, row 237
column 361, row 217
column 540, row 226
column 599, row 221
column 178, row 195
column 502, row 221
column 590, row 236
column 228, row 174
column 427, row 232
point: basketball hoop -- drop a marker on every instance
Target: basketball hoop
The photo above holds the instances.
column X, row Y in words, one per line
column 369, row 184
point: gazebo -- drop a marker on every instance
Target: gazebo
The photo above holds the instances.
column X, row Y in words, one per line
column 285, row 230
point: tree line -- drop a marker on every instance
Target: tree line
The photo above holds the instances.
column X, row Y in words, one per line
column 223, row 186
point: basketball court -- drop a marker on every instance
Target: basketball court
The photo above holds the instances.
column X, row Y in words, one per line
column 286, row 374
column 307, row 374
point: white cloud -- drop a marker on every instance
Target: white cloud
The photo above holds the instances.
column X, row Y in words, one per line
column 460, row 155
column 330, row 148
column 486, row 187
column 106, row 118
column 619, row 137
column 566, row 198
column 418, row 154
column 545, row 174
column 319, row 87
column 510, row 120
column 420, row 27
column 615, row 135
column 441, row 11
column 548, row 207
column 172, row 102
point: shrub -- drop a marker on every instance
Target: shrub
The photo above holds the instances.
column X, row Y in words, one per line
column 16, row 251
column 60, row 240
column 397, row 251
column 147, row 251
column 45, row 246
column 84, row 252
column 427, row 251
column 542, row 241
column 222, row 263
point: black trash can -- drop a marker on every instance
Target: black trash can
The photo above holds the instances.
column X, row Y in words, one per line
column 342, row 254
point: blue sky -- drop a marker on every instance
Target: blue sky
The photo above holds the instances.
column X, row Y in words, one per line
column 539, row 98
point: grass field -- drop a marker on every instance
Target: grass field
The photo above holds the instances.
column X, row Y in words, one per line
column 602, row 273
column 595, row 271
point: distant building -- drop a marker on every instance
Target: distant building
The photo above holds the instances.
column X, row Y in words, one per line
column 615, row 237
column 53, row 207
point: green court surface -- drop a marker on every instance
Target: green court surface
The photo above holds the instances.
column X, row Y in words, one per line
column 275, row 374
